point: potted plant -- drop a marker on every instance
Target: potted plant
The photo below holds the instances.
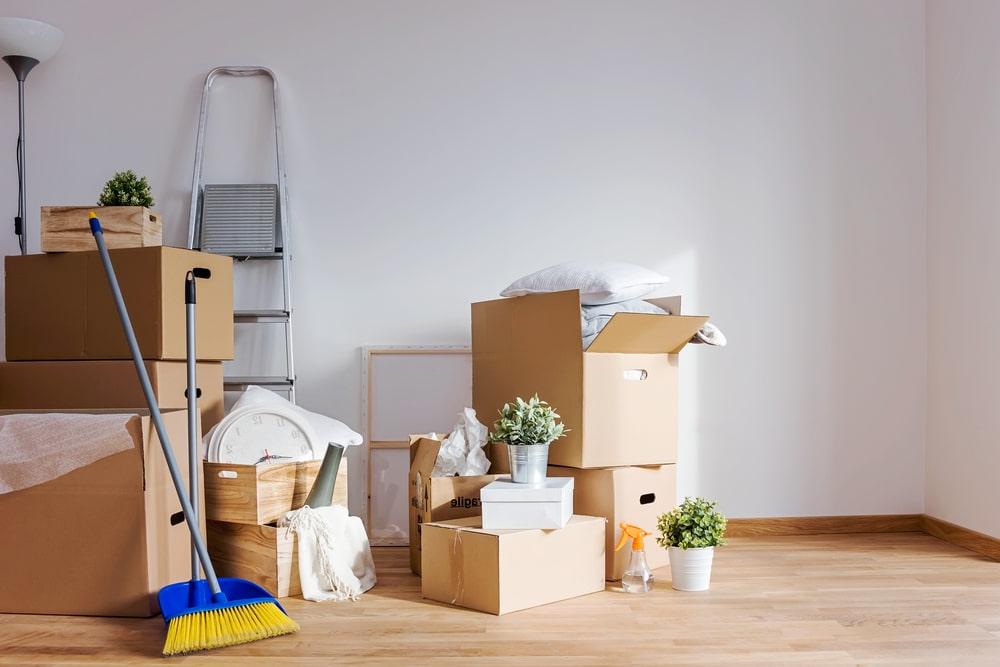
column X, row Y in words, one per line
column 528, row 428
column 126, row 188
column 691, row 532
column 124, row 205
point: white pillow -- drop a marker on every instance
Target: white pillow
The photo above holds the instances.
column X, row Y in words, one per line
column 599, row 282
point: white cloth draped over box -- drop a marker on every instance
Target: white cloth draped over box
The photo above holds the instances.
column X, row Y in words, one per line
column 37, row 448
column 335, row 559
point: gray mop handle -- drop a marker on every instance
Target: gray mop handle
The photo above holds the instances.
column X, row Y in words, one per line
column 154, row 409
column 192, row 406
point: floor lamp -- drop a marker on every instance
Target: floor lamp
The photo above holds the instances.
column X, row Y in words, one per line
column 23, row 44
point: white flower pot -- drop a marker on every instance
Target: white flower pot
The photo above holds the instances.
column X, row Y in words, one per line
column 691, row 569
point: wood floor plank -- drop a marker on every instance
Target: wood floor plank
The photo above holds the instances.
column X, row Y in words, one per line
column 897, row 598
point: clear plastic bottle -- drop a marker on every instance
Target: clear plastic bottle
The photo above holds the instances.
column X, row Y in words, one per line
column 638, row 578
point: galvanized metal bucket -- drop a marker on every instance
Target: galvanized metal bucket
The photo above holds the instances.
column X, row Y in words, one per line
column 528, row 463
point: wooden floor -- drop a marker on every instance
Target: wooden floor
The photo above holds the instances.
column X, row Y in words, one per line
column 904, row 598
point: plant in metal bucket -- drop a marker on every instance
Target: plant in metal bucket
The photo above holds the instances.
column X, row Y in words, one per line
column 528, row 428
column 126, row 188
column 691, row 531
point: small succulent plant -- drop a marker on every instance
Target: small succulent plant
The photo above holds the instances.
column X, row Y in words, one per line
column 126, row 189
column 693, row 524
column 531, row 422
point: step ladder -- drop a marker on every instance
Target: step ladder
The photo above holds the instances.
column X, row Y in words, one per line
column 248, row 222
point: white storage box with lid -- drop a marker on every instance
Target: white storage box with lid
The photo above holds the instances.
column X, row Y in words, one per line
column 510, row 505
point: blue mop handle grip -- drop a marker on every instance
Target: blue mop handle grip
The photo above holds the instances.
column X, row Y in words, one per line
column 154, row 409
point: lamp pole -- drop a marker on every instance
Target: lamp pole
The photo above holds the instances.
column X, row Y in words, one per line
column 21, row 65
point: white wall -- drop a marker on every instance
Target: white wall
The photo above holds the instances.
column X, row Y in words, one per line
column 963, row 235
column 769, row 155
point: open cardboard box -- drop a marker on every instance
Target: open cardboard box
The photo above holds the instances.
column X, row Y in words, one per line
column 27, row 385
column 438, row 498
column 59, row 306
column 618, row 398
column 103, row 539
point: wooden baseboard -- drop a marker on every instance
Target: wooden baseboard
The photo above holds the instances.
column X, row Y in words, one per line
column 825, row 525
column 879, row 523
column 963, row 537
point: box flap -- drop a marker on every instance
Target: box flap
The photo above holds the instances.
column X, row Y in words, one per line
column 423, row 454
column 475, row 525
column 552, row 491
column 645, row 333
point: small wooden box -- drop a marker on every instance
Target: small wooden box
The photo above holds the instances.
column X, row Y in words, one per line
column 262, row 494
column 265, row 555
column 67, row 228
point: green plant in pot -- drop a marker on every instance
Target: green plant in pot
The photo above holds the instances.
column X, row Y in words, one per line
column 528, row 428
column 690, row 532
column 126, row 188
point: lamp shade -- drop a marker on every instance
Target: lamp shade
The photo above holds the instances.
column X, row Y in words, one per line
column 29, row 38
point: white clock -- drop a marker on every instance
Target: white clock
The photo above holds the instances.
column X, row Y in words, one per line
column 258, row 434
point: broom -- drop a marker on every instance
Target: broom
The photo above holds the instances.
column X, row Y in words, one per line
column 204, row 613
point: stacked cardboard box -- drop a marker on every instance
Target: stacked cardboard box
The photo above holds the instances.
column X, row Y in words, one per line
column 104, row 538
column 618, row 398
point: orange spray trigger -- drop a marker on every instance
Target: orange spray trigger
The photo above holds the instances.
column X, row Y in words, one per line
column 634, row 532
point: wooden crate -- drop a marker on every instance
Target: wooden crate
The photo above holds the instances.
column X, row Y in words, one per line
column 266, row 555
column 262, row 494
column 67, row 228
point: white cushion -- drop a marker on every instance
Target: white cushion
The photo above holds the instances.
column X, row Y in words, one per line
column 599, row 282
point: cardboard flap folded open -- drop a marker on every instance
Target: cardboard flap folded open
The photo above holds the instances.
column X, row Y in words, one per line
column 645, row 333
column 423, row 454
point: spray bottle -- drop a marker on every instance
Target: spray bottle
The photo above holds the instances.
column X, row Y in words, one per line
column 638, row 578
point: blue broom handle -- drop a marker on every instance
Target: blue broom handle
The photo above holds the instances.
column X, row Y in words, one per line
column 154, row 410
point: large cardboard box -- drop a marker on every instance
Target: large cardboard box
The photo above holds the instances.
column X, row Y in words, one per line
column 618, row 398
column 634, row 494
column 438, row 498
column 59, row 306
column 27, row 385
column 101, row 540
column 500, row 571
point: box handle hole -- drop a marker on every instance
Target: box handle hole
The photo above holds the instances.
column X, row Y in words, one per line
column 176, row 518
column 647, row 498
column 636, row 374
column 228, row 474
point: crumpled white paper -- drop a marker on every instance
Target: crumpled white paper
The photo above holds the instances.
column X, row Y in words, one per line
column 462, row 452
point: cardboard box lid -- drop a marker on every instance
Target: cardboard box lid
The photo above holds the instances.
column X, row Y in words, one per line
column 423, row 454
column 649, row 333
column 554, row 490
column 549, row 323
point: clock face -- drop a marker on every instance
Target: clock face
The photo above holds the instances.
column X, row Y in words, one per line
column 259, row 435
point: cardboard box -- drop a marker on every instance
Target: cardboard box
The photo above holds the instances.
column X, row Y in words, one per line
column 438, row 498
column 67, row 228
column 500, row 571
column 618, row 398
column 27, row 385
column 266, row 555
column 59, row 306
column 509, row 505
column 261, row 494
column 101, row 540
column 636, row 495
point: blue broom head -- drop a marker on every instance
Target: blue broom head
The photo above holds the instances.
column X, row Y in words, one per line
column 243, row 612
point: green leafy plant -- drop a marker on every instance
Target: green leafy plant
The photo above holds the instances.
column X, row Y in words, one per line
column 693, row 524
column 125, row 188
column 531, row 422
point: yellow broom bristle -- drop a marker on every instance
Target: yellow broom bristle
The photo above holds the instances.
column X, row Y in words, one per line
column 228, row 626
